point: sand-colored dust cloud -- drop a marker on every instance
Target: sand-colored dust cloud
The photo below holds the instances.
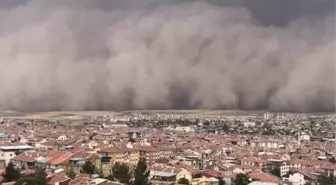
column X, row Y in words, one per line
column 93, row 55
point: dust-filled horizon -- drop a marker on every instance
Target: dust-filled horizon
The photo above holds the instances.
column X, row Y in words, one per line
column 274, row 55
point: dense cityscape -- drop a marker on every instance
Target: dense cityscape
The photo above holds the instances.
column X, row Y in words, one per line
column 170, row 148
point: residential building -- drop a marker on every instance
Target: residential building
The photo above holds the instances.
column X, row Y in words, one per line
column 121, row 155
column 9, row 151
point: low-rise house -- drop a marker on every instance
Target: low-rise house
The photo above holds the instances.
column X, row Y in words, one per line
column 300, row 177
column 201, row 181
column 27, row 159
column 87, row 156
column 259, row 176
column 76, row 164
column 9, row 151
column 184, row 174
column 213, row 173
column 220, row 166
column 329, row 169
column 59, row 180
column 163, row 176
column 58, row 159
column 245, row 168
column 213, row 181
column 262, row 183
column 98, row 181
column 80, row 181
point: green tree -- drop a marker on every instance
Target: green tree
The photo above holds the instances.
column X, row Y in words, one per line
column 99, row 171
column 183, row 181
column 221, row 182
column 116, row 170
column 242, row 179
column 206, row 124
column 141, row 173
column 326, row 180
column 40, row 176
column 122, row 173
column 28, row 180
column 88, row 168
column 110, row 178
column 226, row 128
column 11, row 173
column 72, row 174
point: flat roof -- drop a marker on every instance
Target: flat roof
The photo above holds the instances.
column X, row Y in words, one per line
column 15, row 147
column 163, row 174
column 213, row 179
column 261, row 183
column 98, row 181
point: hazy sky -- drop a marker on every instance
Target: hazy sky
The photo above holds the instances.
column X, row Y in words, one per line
column 163, row 54
column 272, row 12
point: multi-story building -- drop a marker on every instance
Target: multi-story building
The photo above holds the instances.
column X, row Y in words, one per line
column 135, row 134
column 282, row 165
column 262, row 143
column 254, row 161
column 8, row 152
column 151, row 154
column 121, row 155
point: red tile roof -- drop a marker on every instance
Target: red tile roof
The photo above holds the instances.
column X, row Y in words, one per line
column 245, row 166
column 57, row 178
column 59, row 157
column 263, row 177
column 213, row 173
column 117, row 150
column 83, row 155
column 254, row 160
column 80, row 181
column 329, row 167
column 28, row 156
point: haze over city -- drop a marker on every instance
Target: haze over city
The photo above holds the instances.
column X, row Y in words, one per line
column 167, row 54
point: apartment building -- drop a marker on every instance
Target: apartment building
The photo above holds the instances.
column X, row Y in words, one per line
column 121, row 155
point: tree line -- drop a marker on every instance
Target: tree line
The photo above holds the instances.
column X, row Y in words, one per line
column 12, row 174
column 120, row 172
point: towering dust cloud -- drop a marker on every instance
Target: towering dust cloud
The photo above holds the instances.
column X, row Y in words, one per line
column 163, row 54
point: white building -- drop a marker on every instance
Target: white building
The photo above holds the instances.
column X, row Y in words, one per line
column 284, row 169
column 261, row 183
column 183, row 129
column 268, row 115
column 300, row 178
column 304, row 137
column 297, row 179
column 249, row 124
column 9, row 152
